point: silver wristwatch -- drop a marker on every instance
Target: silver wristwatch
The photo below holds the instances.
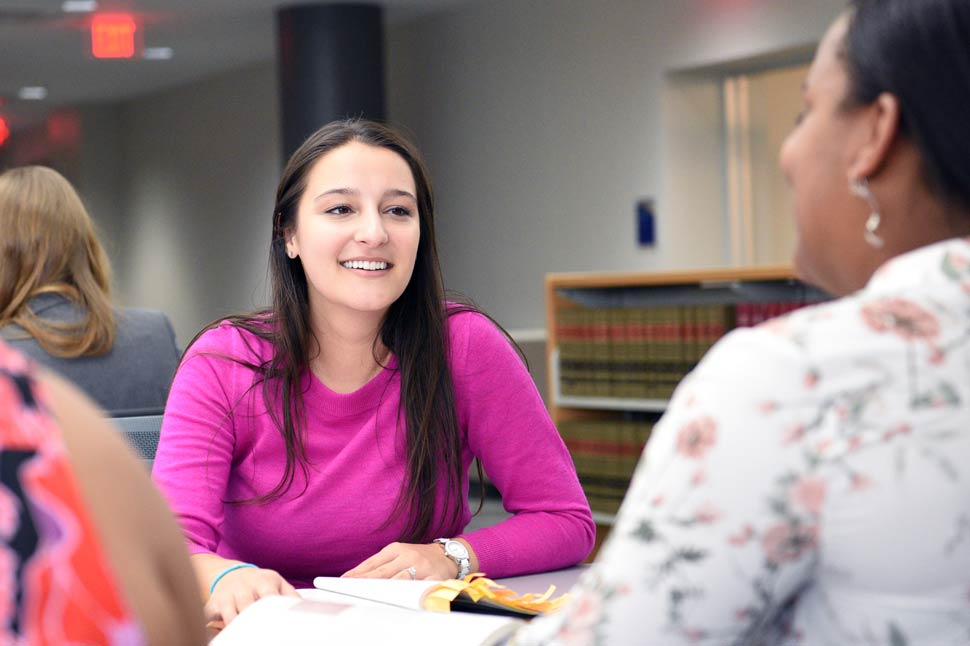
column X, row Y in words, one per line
column 457, row 553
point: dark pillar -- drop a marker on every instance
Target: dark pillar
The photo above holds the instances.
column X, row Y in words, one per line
column 331, row 60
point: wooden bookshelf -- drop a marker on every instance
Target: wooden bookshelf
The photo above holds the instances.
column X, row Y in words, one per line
column 687, row 294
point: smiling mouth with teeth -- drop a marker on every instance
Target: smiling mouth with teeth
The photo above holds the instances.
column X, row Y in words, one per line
column 368, row 265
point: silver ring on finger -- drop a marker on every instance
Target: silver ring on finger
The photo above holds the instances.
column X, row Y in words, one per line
column 413, row 571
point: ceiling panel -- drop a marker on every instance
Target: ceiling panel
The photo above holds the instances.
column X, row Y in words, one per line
column 41, row 45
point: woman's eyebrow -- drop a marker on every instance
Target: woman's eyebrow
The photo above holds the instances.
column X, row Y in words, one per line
column 338, row 191
column 396, row 192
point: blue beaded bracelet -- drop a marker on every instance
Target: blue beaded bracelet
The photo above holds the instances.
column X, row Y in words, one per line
column 212, row 586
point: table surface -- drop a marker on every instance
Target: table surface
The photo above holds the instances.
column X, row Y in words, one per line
column 562, row 579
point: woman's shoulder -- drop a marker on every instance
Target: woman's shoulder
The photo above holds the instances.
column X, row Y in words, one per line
column 834, row 337
column 140, row 316
column 856, row 325
column 234, row 339
column 461, row 316
column 145, row 323
column 12, row 364
column 800, row 328
column 775, row 351
column 475, row 341
column 467, row 324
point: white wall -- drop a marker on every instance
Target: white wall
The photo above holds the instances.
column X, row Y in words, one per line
column 540, row 121
column 100, row 178
column 202, row 163
column 543, row 123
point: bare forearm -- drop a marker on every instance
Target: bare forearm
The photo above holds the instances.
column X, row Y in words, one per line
column 207, row 567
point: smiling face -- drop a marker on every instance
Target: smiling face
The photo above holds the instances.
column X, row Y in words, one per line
column 817, row 158
column 356, row 230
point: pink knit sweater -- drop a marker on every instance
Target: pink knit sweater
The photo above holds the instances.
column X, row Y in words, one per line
column 219, row 444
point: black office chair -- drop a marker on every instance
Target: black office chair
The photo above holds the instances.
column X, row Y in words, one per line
column 142, row 430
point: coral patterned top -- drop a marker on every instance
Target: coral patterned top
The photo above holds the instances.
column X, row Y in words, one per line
column 809, row 484
column 55, row 584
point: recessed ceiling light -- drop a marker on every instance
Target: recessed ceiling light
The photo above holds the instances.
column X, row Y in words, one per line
column 79, row 6
column 32, row 93
column 157, row 53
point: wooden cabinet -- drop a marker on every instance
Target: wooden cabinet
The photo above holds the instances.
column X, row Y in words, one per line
column 618, row 344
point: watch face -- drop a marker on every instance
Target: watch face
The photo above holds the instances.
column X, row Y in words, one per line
column 456, row 549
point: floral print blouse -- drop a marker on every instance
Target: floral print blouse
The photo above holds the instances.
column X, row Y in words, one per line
column 55, row 583
column 809, row 484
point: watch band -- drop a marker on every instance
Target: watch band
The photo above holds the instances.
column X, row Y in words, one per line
column 457, row 553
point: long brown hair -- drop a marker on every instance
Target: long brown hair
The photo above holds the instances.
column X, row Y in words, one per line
column 413, row 330
column 49, row 245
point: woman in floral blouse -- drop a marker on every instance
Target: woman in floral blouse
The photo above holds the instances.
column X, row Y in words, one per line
column 810, row 482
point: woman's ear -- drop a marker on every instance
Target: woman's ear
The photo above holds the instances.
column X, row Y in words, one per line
column 881, row 124
column 292, row 250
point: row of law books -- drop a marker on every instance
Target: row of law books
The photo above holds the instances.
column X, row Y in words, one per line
column 751, row 314
column 605, row 454
column 644, row 352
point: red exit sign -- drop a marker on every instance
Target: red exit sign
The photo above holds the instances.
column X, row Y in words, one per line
column 113, row 35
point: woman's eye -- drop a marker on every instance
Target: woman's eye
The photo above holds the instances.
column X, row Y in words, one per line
column 339, row 210
column 399, row 211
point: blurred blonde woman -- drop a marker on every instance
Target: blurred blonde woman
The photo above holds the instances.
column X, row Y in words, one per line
column 55, row 298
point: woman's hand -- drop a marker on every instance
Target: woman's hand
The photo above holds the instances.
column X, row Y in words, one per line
column 241, row 587
column 392, row 562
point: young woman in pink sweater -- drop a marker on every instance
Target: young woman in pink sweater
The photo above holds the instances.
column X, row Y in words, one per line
column 332, row 433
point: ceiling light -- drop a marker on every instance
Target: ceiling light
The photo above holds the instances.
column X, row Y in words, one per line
column 79, row 6
column 32, row 93
column 157, row 53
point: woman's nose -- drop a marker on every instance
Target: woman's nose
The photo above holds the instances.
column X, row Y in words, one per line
column 371, row 230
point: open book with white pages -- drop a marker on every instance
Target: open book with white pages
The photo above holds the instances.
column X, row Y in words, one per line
column 475, row 593
column 377, row 611
column 311, row 621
